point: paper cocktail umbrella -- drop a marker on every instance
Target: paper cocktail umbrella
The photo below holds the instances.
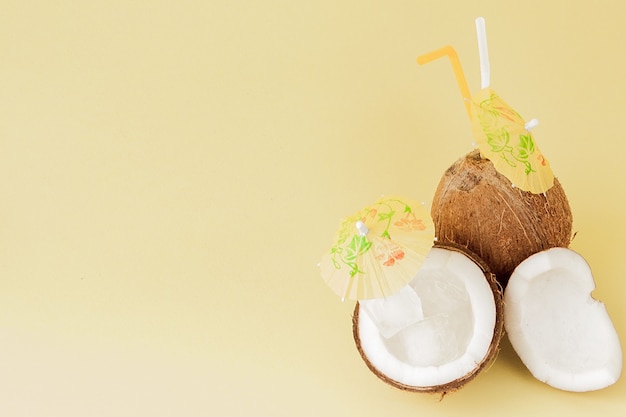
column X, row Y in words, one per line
column 379, row 249
column 501, row 133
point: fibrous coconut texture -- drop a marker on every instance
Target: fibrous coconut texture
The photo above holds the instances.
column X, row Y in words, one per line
column 477, row 207
column 438, row 332
column 563, row 335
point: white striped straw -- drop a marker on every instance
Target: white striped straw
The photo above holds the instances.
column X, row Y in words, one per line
column 483, row 53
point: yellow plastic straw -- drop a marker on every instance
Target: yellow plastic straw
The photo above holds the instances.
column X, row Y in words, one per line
column 458, row 71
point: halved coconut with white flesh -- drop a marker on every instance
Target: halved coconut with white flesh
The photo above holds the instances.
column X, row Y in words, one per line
column 438, row 332
column 564, row 336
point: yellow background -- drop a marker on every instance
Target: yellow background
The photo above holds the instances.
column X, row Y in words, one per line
column 171, row 172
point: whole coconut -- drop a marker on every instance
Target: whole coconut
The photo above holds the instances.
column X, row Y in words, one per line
column 477, row 207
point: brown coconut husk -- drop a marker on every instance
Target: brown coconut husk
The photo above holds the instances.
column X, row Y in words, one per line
column 477, row 207
column 492, row 353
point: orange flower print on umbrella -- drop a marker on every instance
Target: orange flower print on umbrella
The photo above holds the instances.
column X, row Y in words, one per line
column 410, row 222
column 379, row 249
column 501, row 133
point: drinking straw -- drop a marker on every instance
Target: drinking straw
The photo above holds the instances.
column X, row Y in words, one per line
column 483, row 53
column 458, row 71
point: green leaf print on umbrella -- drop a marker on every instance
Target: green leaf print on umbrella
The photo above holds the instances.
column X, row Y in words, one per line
column 349, row 254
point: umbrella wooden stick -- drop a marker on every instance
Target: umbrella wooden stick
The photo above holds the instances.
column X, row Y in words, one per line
column 458, row 71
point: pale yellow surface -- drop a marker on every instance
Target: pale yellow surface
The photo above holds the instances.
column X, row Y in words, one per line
column 171, row 171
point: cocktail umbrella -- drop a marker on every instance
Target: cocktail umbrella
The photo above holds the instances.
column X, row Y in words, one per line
column 501, row 133
column 378, row 249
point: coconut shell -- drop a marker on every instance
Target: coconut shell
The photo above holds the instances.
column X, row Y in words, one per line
column 477, row 207
column 492, row 353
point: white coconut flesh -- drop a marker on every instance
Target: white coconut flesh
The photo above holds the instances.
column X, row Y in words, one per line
column 434, row 331
column 564, row 336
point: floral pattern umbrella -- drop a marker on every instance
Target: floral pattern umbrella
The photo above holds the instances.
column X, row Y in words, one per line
column 379, row 249
column 504, row 138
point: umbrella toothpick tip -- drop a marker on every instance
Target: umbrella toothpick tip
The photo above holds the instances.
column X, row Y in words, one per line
column 532, row 123
column 362, row 228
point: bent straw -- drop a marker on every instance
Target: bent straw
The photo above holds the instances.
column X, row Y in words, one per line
column 483, row 53
column 458, row 71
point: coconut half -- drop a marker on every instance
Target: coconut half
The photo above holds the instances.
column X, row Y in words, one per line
column 439, row 331
column 564, row 336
